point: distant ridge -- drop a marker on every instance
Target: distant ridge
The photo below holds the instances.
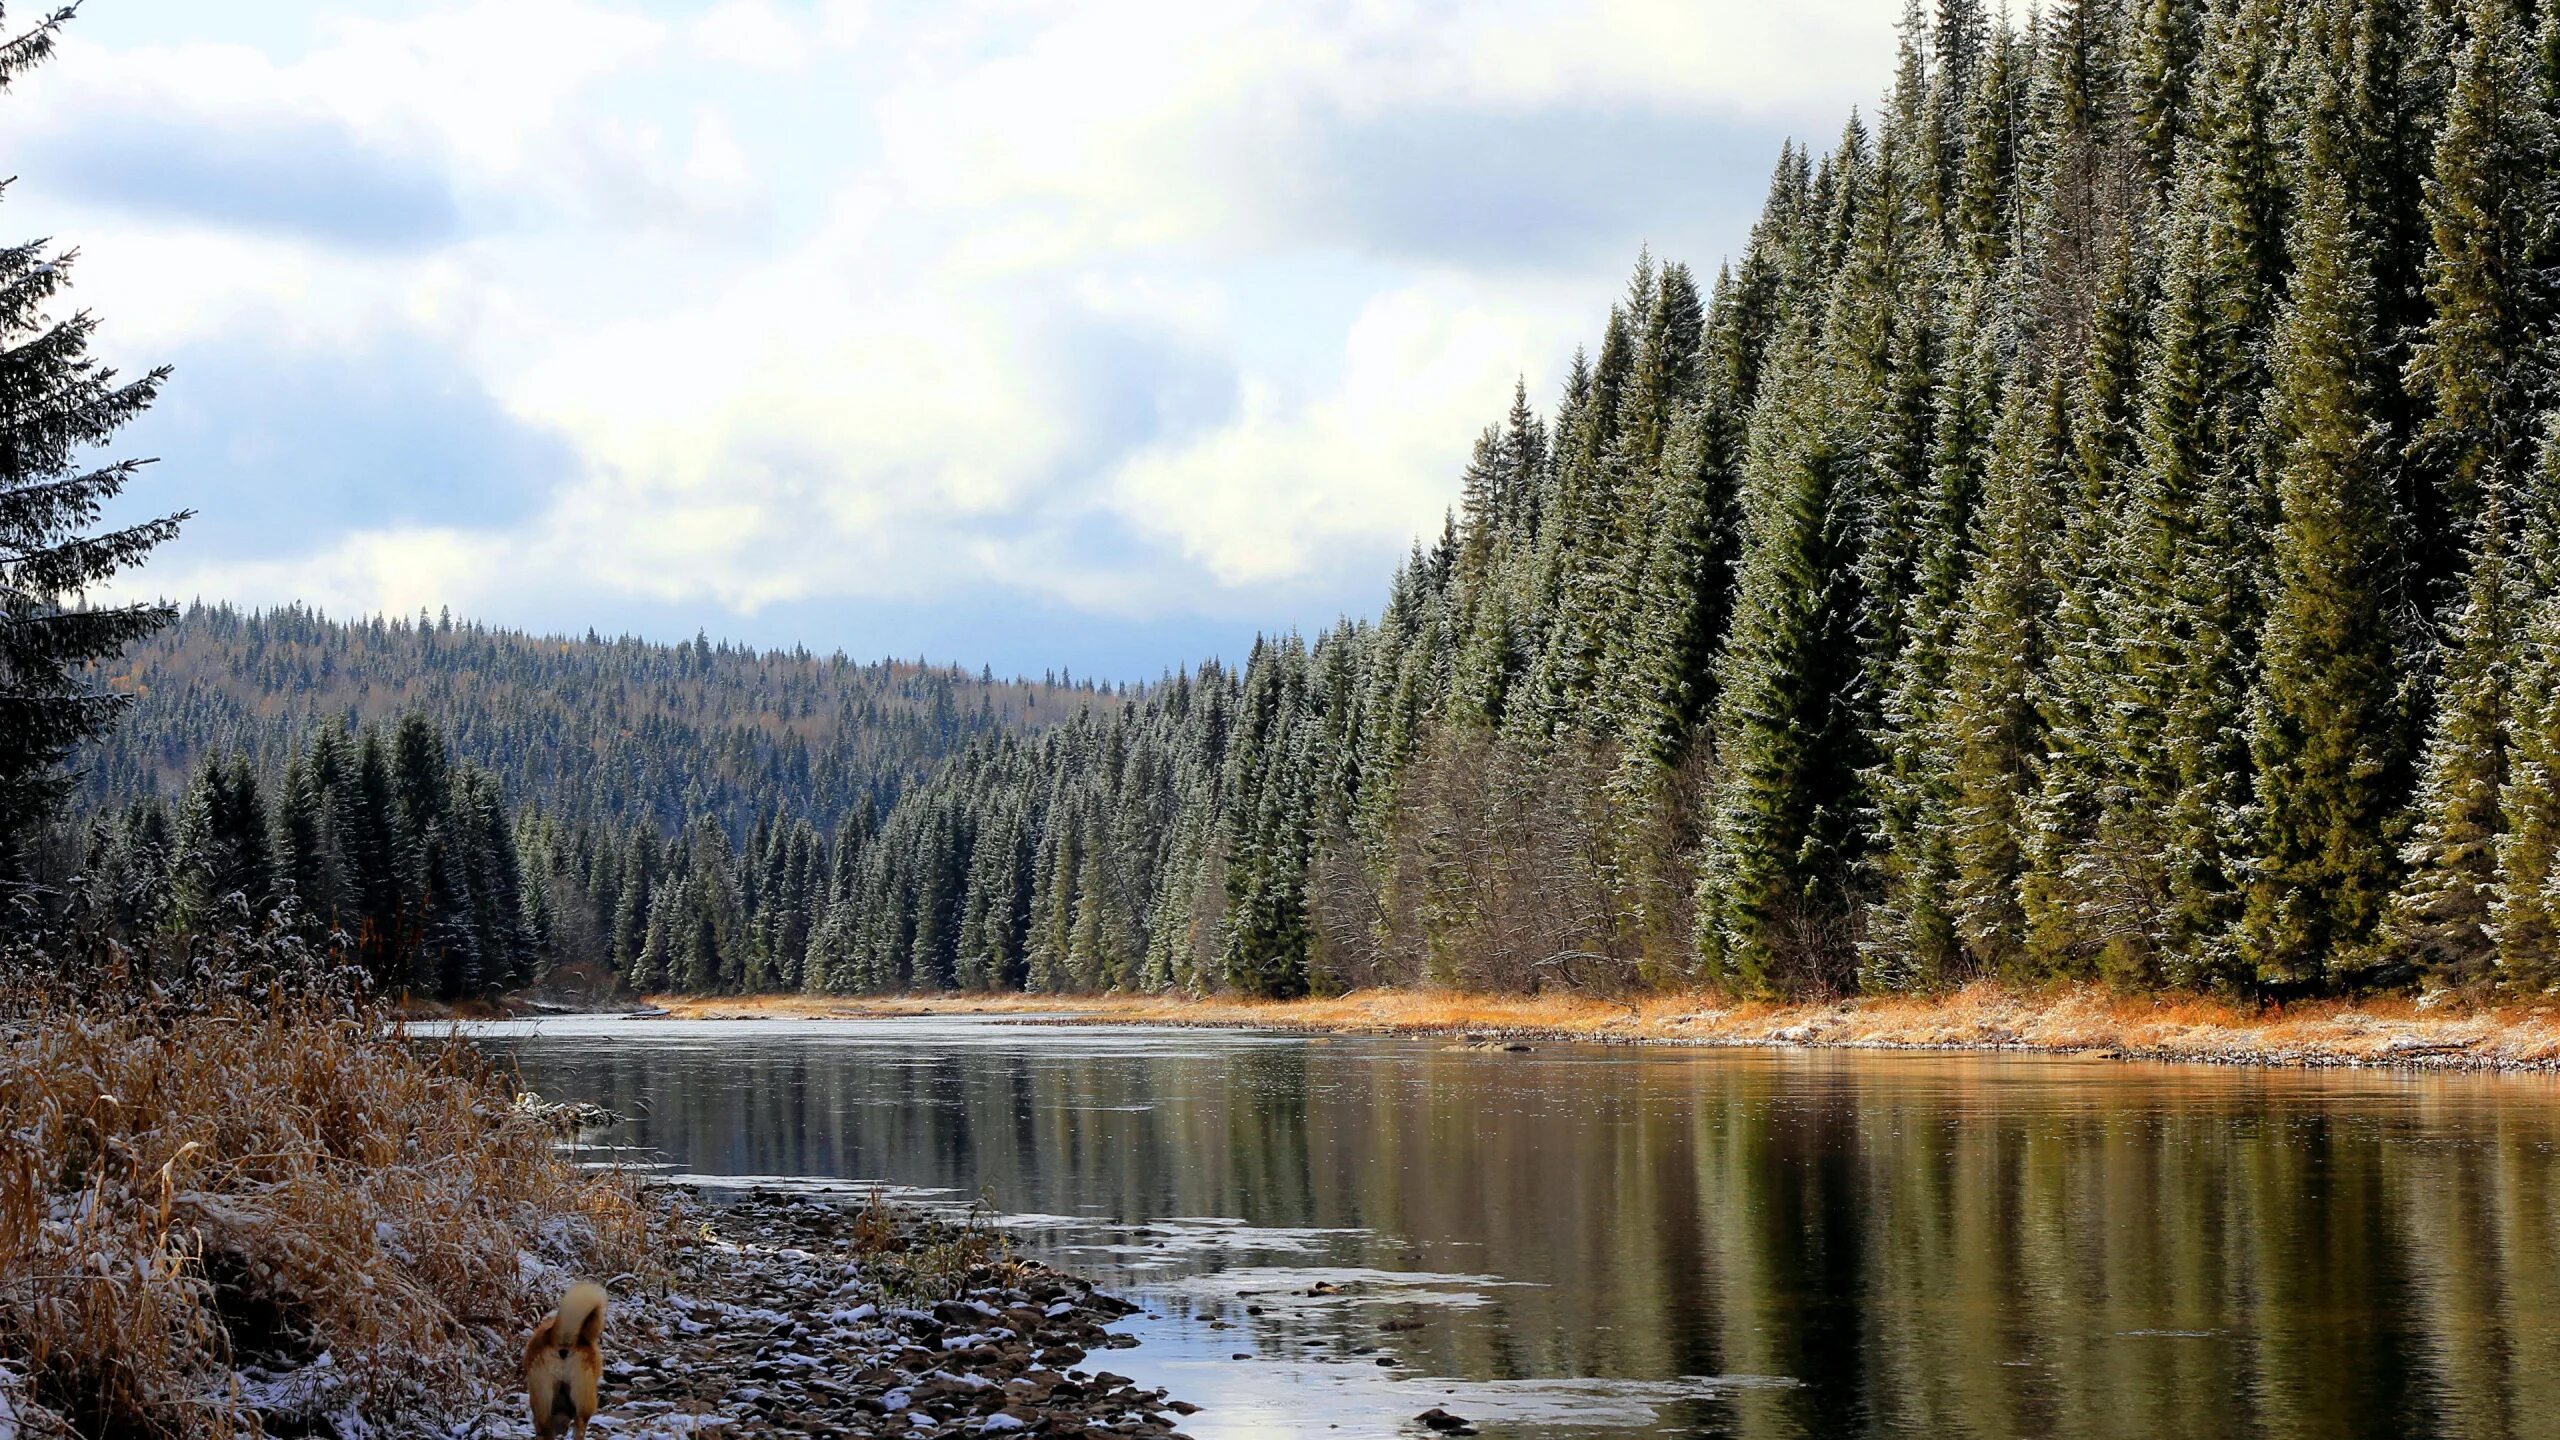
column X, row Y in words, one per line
column 621, row 730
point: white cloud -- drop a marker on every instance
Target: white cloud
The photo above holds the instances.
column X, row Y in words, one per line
column 717, row 162
column 1152, row 125
column 391, row 572
column 1790, row 59
column 486, row 80
column 751, row 33
column 844, row 23
column 887, row 305
column 1374, row 456
column 488, row 90
column 492, row 79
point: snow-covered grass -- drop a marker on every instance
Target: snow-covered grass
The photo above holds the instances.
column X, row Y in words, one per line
column 291, row 1208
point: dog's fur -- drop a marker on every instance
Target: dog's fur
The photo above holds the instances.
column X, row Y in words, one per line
column 564, row 1360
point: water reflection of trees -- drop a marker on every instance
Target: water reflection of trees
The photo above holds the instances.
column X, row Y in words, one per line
column 1937, row 1247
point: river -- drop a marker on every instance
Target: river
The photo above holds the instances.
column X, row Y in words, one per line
column 1588, row 1241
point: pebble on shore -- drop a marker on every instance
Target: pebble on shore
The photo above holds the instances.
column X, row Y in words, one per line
column 775, row 1321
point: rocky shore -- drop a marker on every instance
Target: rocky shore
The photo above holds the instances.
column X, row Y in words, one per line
column 788, row 1315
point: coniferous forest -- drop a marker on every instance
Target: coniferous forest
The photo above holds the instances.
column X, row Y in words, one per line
column 2103, row 525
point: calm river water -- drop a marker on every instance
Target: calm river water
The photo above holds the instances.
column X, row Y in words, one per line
column 1586, row 1241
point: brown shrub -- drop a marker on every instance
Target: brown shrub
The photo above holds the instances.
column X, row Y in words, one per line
column 1499, row 871
column 197, row 1206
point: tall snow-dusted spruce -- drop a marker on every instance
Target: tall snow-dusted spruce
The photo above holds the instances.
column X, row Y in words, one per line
column 2324, row 728
column 2481, row 367
column 57, row 404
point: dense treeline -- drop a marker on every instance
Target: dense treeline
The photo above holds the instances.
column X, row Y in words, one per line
column 2102, row 525
column 374, row 845
column 616, row 731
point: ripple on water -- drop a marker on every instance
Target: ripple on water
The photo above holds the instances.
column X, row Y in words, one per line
column 851, row 1191
column 1159, row 1239
column 1587, row 1402
column 1275, row 1396
column 1311, row 1288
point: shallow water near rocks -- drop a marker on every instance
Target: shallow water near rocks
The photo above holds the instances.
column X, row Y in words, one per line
column 1587, row 1241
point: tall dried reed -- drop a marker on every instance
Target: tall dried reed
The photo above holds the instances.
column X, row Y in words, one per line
column 233, row 1214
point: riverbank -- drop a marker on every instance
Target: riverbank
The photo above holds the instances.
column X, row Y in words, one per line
column 225, row 1216
column 785, row 1315
column 2078, row 1020
column 222, row 1215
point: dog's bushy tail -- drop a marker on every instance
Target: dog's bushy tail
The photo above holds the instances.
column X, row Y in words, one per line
column 580, row 1320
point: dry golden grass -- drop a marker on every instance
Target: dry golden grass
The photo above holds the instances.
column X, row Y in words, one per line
column 912, row 1259
column 2074, row 1018
column 192, row 1204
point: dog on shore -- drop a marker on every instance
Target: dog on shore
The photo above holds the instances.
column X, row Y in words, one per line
column 563, row 1361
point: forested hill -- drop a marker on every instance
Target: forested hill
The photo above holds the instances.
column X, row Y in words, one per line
column 593, row 730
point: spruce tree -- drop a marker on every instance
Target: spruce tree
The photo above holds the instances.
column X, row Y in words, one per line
column 2168, row 40
column 309, row 867
column 378, row 854
column 2440, row 918
column 2068, row 892
column 2166, row 878
column 1775, row 896
column 1992, row 728
column 2482, row 363
column 2524, row 909
column 1267, row 836
column 2324, row 725
column 1911, row 939
column 224, row 867
column 57, row 404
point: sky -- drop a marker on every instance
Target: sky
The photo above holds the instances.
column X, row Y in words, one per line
column 1093, row 335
